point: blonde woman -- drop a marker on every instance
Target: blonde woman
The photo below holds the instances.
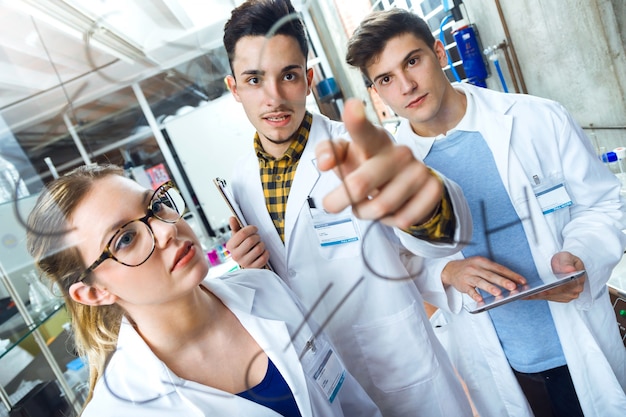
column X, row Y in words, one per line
column 161, row 339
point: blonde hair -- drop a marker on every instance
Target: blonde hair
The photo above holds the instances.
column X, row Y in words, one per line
column 95, row 327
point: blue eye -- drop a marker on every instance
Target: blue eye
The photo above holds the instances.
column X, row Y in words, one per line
column 124, row 240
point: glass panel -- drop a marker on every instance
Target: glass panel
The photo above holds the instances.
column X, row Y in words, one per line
column 192, row 83
column 65, row 101
column 30, row 66
column 17, row 331
column 48, row 139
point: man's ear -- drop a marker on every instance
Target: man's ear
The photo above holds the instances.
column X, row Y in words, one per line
column 440, row 53
column 232, row 86
column 91, row 296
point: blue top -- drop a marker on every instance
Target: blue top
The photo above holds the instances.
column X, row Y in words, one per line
column 525, row 327
column 273, row 392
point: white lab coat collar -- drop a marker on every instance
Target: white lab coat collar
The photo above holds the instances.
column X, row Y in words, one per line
column 305, row 179
column 271, row 335
column 497, row 133
column 151, row 378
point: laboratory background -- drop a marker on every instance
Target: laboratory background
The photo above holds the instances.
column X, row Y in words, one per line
column 140, row 83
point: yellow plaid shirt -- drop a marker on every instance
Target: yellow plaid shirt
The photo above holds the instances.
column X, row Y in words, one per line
column 440, row 227
column 277, row 176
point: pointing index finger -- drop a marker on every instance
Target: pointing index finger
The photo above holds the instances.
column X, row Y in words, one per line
column 368, row 137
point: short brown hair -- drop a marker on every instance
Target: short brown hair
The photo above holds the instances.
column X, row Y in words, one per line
column 259, row 18
column 373, row 33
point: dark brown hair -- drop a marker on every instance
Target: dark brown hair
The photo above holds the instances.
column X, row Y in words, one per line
column 264, row 18
column 373, row 33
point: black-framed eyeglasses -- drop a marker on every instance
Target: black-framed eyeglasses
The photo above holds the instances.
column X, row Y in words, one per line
column 133, row 243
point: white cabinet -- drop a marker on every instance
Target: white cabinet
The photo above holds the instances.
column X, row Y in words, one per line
column 208, row 141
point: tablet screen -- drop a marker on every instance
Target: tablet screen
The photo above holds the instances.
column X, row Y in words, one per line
column 491, row 301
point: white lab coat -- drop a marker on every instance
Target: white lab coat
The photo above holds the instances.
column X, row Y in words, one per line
column 380, row 327
column 265, row 307
column 531, row 136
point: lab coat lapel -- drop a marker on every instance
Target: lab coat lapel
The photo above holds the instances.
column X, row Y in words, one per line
column 305, row 179
column 274, row 339
column 150, row 378
column 271, row 335
column 497, row 132
column 515, row 176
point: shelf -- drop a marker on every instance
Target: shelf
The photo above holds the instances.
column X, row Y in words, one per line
column 16, row 327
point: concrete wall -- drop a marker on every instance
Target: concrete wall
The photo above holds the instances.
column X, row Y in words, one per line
column 571, row 51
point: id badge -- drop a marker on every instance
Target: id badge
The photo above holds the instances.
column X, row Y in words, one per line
column 553, row 197
column 334, row 229
column 322, row 364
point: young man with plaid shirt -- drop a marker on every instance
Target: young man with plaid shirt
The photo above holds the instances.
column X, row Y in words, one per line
column 355, row 274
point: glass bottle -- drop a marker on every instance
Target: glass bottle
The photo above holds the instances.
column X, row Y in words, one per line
column 41, row 299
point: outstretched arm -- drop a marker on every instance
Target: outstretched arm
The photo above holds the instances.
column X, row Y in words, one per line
column 381, row 180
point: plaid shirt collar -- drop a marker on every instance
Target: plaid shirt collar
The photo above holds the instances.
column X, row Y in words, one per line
column 296, row 147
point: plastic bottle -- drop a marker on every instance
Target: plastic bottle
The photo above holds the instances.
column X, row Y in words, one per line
column 213, row 252
column 471, row 54
column 77, row 377
column 620, row 152
column 610, row 160
column 223, row 234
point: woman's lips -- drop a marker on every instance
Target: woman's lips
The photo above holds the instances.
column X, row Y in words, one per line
column 184, row 256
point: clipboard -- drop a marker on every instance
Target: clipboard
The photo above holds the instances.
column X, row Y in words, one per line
column 492, row 301
column 222, row 187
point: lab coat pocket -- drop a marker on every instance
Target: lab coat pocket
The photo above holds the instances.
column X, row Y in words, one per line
column 397, row 350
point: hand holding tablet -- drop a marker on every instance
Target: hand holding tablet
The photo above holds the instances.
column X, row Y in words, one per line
column 522, row 291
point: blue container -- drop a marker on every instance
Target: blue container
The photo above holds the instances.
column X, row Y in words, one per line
column 472, row 57
column 327, row 89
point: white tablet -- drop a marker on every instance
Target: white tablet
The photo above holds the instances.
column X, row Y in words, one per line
column 491, row 301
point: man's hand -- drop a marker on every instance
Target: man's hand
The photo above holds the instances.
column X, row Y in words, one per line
column 245, row 246
column 466, row 275
column 381, row 180
column 564, row 262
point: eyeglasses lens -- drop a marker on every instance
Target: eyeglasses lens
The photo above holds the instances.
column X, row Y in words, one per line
column 168, row 205
column 133, row 244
